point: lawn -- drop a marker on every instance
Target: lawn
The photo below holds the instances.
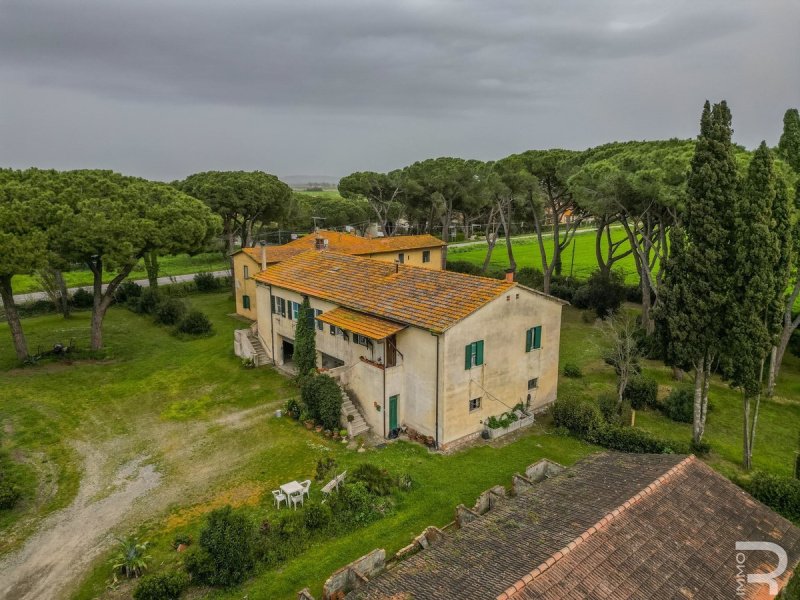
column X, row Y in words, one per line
column 579, row 263
column 170, row 266
column 208, row 426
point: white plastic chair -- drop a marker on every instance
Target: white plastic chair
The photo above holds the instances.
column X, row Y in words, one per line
column 306, row 487
column 279, row 497
column 296, row 498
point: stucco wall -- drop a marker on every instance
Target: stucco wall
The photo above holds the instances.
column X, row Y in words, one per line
column 245, row 286
column 413, row 257
column 502, row 380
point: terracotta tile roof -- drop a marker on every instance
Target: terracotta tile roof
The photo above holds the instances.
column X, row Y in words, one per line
column 346, row 243
column 372, row 327
column 417, row 296
column 618, row 526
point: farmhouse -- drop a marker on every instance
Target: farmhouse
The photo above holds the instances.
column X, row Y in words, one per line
column 420, row 250
column 433, row 351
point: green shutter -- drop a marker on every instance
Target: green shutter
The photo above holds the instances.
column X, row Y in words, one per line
column 245, row 301
column 537, row 337
column 479, row 361
column 468, row 357
column 528, row 340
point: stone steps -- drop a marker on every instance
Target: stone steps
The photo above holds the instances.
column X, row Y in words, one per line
column 358, row 425
column 261, row 353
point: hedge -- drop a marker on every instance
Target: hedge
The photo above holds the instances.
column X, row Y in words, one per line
column 779, row 493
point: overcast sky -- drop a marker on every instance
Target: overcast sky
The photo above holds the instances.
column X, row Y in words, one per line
column 164, row 88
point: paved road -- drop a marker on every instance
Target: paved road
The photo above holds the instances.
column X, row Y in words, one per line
column 23, row 298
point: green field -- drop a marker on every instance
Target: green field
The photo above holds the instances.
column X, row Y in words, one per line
column 578, row 260
column 170, row 266
column 207, row 424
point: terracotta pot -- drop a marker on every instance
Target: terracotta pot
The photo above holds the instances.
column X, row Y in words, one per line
column 318, row 428
column 182, row 547
column 309, row 424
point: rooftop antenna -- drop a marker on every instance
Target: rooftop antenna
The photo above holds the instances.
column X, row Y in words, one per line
column 315, row 219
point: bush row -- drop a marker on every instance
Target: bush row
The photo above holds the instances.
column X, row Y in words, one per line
column 779, row 493
column 165, row 309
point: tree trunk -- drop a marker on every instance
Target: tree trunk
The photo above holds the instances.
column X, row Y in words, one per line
column 150, row 260
column 789, row 327
column 506, row 221
column 63, row 292
column 746, row 455
column 556, row 244
column 697, row 421
column 647, row 308
column 605, row 268
column 491, row 240
column 14, row 324
column 102, row 300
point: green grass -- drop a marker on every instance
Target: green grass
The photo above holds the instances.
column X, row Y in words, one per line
column 170, row 266
column 162, row 393
column 328, row 193
column 527, row 254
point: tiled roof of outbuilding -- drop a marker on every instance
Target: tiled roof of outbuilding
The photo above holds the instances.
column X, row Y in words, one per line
column 619, row 526
column 426, row 298
column 367, row 325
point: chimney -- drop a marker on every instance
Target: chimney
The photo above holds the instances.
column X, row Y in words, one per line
column 509, row 276
column 263, row 256
column 397, row 266
column 320, row 243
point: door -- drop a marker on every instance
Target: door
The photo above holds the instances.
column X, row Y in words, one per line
column 391, row 351
column 392, row 413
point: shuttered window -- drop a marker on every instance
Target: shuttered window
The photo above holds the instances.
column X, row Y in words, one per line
column 246, row 302
column 473, row 354
column 426, row 256
column 317, row 313
column 533, row 338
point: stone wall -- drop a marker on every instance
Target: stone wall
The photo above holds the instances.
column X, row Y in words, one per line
column 351, row 576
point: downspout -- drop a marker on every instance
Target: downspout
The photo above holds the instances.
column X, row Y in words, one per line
column 385, row 348
column 437, row 392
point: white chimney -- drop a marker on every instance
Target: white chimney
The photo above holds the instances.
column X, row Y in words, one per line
column 263, row 256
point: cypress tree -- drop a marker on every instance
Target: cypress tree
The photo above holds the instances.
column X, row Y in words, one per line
column 698, row 281
column 789, row 145
column 760, row 278
column 305, row 345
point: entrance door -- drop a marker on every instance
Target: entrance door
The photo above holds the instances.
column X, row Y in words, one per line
column 392, row 413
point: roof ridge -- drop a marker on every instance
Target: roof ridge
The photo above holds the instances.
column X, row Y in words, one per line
column 519, row 585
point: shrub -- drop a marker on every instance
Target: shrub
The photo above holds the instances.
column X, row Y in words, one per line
column 503, row 421
column 82, row 299
column 572, row 370
column 580, row 298
column 165, row 586
column 608, row 407
column 578, row 416
column 226, row 550
column 9, row 493
column 206, row 282
column 292, row 408
column 128, row 290
column 530, row 277
column 463, row 266
column 565, row 291
column 631, row 439
column 779, row 493
column 354, row 505
column 633, row 293
column 603, row 292
column 323, row 400
column 169, row 311
column 326, row 468
column 641, row 392
column 195, row 323
column 377, row 480
column 131, row 559
column 794, row 343
column 317, row 516
column 679, row 405
column 146, row 302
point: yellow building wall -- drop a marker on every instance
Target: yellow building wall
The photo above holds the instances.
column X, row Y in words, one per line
column 244, row 285
column 413, row 257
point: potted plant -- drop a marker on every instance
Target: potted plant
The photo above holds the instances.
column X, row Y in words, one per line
column 343, row 433
column 318, row 428
column 351, row 418
column 336, row 435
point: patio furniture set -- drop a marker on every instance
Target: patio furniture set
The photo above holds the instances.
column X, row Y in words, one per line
column 294, row 492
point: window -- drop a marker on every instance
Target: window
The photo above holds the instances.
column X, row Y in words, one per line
column 317, row 313
column 401, row 258
column 426, row 256
column 294, row 310
column 246, row 270
column 246, row 302
column 278, row 306
column 360, row 339
column 533, row 338
column 473, row 355
column 533, row 383
column 333, row 329
column 474, row 404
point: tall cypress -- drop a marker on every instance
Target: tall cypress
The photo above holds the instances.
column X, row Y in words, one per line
column 789, row 145
column 305, row 344
column 698, row 281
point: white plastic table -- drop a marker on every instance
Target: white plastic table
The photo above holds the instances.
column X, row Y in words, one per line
column 293, row 487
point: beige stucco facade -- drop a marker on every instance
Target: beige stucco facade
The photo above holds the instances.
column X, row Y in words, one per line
column 432, row 385
column 244, row 267
column 430, row 258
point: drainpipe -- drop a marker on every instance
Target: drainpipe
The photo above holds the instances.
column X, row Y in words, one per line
column 385, row 347
column 437, row 391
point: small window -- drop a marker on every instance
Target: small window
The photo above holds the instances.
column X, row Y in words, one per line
column 294, row 310
column 333, row 329
column 533, row 383
column 401, row 258
column 360, row 339
column 317, row 313
column 474, row 404
column 278, row 306
column 426, row 256
column 246, row 272
column 533, row 338
column 246, row 302
column 473, row 355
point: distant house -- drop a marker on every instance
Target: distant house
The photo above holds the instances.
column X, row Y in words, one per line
column 432, row 351
column 621, row 526
column 420, row 250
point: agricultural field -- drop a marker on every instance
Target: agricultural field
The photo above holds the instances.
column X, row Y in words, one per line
column 170, row 266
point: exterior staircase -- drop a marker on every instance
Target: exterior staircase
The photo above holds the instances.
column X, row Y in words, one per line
column 358, row 425
column 261, row 353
